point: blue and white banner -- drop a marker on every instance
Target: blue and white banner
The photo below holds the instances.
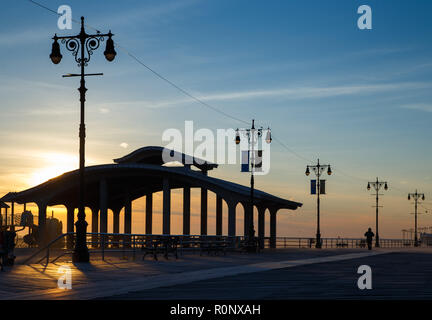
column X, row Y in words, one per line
column 245, row 161
column 313, row 186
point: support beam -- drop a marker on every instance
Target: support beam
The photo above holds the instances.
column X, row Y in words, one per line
column 204, row 211
column 103, row 205
column 128, row 216
column 95, row 225
column 116, row 225
column 261, row 225
column 116, row 220
column 95, row 219
column 166, row 219
column 232, row 218
column 42, row 207
column 12, row 216
column 273, row 227
column 70, row 226
column 149, row 213
column 186, row 210
column 219, row 215
column 246, row 218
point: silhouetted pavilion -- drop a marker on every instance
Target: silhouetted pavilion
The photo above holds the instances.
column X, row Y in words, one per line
column 141, row 173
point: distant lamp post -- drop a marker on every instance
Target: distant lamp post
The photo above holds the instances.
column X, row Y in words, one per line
column 252, row 136
column 318, row 169
column 377, row 186
column 82, row 47
column 416, row 196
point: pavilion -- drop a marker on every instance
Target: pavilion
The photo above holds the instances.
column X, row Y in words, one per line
column 142, row 173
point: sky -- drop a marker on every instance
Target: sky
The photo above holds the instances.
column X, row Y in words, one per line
column 359, row 100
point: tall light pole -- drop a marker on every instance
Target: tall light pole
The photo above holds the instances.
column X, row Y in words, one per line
column 377, row 186
column 82, row 47
column 252, row 136
column 416, row 196
column 318, row 169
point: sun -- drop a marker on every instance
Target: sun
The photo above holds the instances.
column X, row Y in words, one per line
column 54, row 164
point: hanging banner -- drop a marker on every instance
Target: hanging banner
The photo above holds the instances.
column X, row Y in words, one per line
column 322, row 187
column 258, row 160
column 245, row 161
column 313, row 186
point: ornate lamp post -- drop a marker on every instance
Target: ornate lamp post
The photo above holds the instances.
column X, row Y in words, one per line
column 252, row 136
column 377, row 186
column 416, row 197
column 82, row 47
column 318, row 169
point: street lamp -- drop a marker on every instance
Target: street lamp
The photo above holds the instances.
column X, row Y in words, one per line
column 417, row 196
column 82, row 47
column 252, row 136
column 318, row 169
column 377, row 186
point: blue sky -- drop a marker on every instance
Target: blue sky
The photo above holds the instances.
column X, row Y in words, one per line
column 358, row 99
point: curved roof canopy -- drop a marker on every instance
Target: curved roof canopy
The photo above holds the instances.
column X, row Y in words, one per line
column 134, row 176
column 155, row 155
column 3, row 205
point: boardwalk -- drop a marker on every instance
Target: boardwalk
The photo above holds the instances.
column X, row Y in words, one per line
column 281, row 274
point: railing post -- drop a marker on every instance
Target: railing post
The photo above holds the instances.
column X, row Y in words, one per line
column 133, row 244
column 103, row 247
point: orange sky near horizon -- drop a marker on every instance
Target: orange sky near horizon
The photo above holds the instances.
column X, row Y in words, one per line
column 341, row 214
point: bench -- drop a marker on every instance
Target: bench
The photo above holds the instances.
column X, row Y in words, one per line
column 163, row 246
column 214, row 246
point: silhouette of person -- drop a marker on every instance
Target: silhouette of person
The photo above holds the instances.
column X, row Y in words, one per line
column 369, row 235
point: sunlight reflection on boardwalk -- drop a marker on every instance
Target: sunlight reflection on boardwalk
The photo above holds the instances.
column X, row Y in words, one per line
column 114, row 277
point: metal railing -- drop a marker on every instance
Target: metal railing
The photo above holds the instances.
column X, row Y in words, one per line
column 292, row 242
column 104, row 243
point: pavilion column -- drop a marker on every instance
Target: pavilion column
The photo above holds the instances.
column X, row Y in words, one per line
column 231, row 218
column 95, row 226
column 95, row 219
column 128, row 216
column 149, row 213
column 70, row 226
column 166, row 219
column 103, row 205
column 246, row 221
column 12, row 216
column 116, row 220
column 116, row 224
column 261, row 225
column 186, row 210
column 42, row 207
column 204, row 211
column 218, row 215
column 273, row 212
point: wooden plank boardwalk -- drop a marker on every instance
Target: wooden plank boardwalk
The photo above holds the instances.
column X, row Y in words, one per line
column 279, row 274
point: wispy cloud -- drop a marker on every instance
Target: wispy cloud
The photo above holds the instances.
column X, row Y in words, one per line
column 149, row 13
column 293, row 93
column 23, row 37
column 420, row 107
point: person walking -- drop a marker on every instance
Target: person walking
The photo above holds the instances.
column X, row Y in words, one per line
column 369, row 236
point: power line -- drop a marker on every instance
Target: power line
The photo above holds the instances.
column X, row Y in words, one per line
column 200, row 101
